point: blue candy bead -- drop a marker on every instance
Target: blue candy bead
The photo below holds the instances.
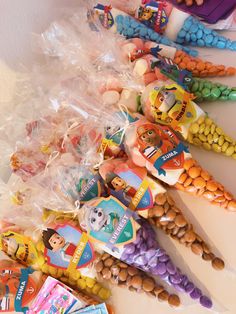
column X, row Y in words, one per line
column 209, row 38
column 200, row 43
column 220, row 45
column 182, row 34
column 130, row 32
column 154, row 37
column 187, row 37
column 180, row 40
column 215, row 40
column 193, row 43
column 119, row 28
column 199, row 34
column 187, row 24
column 207, row 30
column 165, row 41
column 194, row 28
column 119, row 19
column 233, row 45
column 228, row 43
column 134, row 24
column 143, row 31
column 150, row 31
column 193, row 53
column 222, row 38
column 193, row 37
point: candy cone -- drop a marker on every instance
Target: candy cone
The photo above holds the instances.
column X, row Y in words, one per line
column 146, row 254
column 205, row 90
column 166, row 216
column 130, row 28
column 197, row 34
column 199, row 67
column 122, row 275
column 204, row 132
column 199, row 182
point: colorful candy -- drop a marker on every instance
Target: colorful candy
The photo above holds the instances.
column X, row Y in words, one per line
column 199, row 182
column 119, row 273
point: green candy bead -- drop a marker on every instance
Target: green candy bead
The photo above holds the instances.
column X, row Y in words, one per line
column 215, row 92
column 201, row 85
column 223, row 87
column 208, row 84
column 223, row 98
column 226, row 92
column 232, row 95
column 206, row 92
column 194, row 87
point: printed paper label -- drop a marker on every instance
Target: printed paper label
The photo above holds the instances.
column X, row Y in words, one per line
column 67, row 247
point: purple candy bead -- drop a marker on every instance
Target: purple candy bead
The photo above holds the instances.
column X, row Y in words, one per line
column 160, row 252
column 170, row 267
column 161, row 268
column 129, row 249
column 164, row 276
column 164, row 258
column 143, row 248
column 140, row 260
column 150, row 243
column 189, row 287
column 206, row 302
column 153, row 262
column 180, row 288
column 185, row 280
column 196, row 294
column 150, row 254
column 175, row 279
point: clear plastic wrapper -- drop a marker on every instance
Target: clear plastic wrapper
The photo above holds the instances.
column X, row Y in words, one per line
column 118, row 231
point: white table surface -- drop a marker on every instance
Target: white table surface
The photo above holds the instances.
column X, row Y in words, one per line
column 18, row 19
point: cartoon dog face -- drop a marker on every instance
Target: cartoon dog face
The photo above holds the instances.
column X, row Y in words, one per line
column 146, row 14
column 151, row 138
column 164, row 101
column 97, row 218
column 9, row 246
column 112, row 130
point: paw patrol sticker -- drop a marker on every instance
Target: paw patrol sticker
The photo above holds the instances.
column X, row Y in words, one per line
column 67, row 247
column 104, row 14
column 161, row 147
column 109, row 222
column 130, row 188
column 80, row 184
column 153, row 15
column 18, row 247
column 17, row 289
column 171, row 105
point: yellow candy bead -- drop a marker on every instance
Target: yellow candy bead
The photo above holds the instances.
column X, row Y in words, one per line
column 201, row 120
column 224, row 146
column 64, row 279
column 89, row 290
column 104, row 294
column 219, row 131
column 194, row 128
column 40, row 260
column 75, row 275
column 90, row 282
column 81, row 283
column 208, row 121
column 52, row 271
column 96, row 288
column 60, row 272
column 45, row 269
column 40, row 246
column 66, row 273
column 72, row 282
column 229, row 151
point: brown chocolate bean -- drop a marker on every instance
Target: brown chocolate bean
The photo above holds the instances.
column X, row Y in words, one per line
column 218, row 264
column 163, row 296
column 136, row 282
column 132, row 271
column 108, row 262
column 158, row 211
column 99, row 266
column 148, row 284
column 123, row 274
column 197, row 248
column 180, row 221
column 170, row 215
column 190, row 236
column 160, row 199
column 123, row 265
column 106, row 273
column 115, row 269
column 208, row 257
column 174, row 300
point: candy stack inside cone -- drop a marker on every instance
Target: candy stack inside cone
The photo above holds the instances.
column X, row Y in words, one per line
column 199, row 182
